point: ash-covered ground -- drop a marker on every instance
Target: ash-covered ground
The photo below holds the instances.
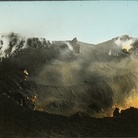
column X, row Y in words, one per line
column 68, row 88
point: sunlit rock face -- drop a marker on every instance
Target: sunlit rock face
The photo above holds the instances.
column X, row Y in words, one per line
column 66, row 77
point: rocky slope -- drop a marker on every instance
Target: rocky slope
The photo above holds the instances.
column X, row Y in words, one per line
column 39, row 78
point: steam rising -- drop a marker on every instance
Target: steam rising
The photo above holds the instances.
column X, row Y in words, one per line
column 125, row 43
column 112, row 79
column 92, row 81
column 69, row 46
column 9, row 43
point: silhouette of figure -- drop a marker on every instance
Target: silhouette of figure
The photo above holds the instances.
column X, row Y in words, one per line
column 116, row 112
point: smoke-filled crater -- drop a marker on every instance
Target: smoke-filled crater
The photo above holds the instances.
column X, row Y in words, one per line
column 69, row 77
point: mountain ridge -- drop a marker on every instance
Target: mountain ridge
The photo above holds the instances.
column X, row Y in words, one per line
column 92, row 72
column 68, row 88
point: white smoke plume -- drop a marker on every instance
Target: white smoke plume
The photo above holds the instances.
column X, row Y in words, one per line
column 125, row 42
column 4, row 45
column 9, row 43
column 69, row 46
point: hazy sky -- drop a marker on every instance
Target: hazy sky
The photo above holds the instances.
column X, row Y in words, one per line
column 89, row 21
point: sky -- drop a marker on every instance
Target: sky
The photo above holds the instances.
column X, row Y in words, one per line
column 89, row 21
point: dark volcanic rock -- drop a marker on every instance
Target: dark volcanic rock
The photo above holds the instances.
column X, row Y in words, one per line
column 17, row 121
column 131, row 112
column 67, row 78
